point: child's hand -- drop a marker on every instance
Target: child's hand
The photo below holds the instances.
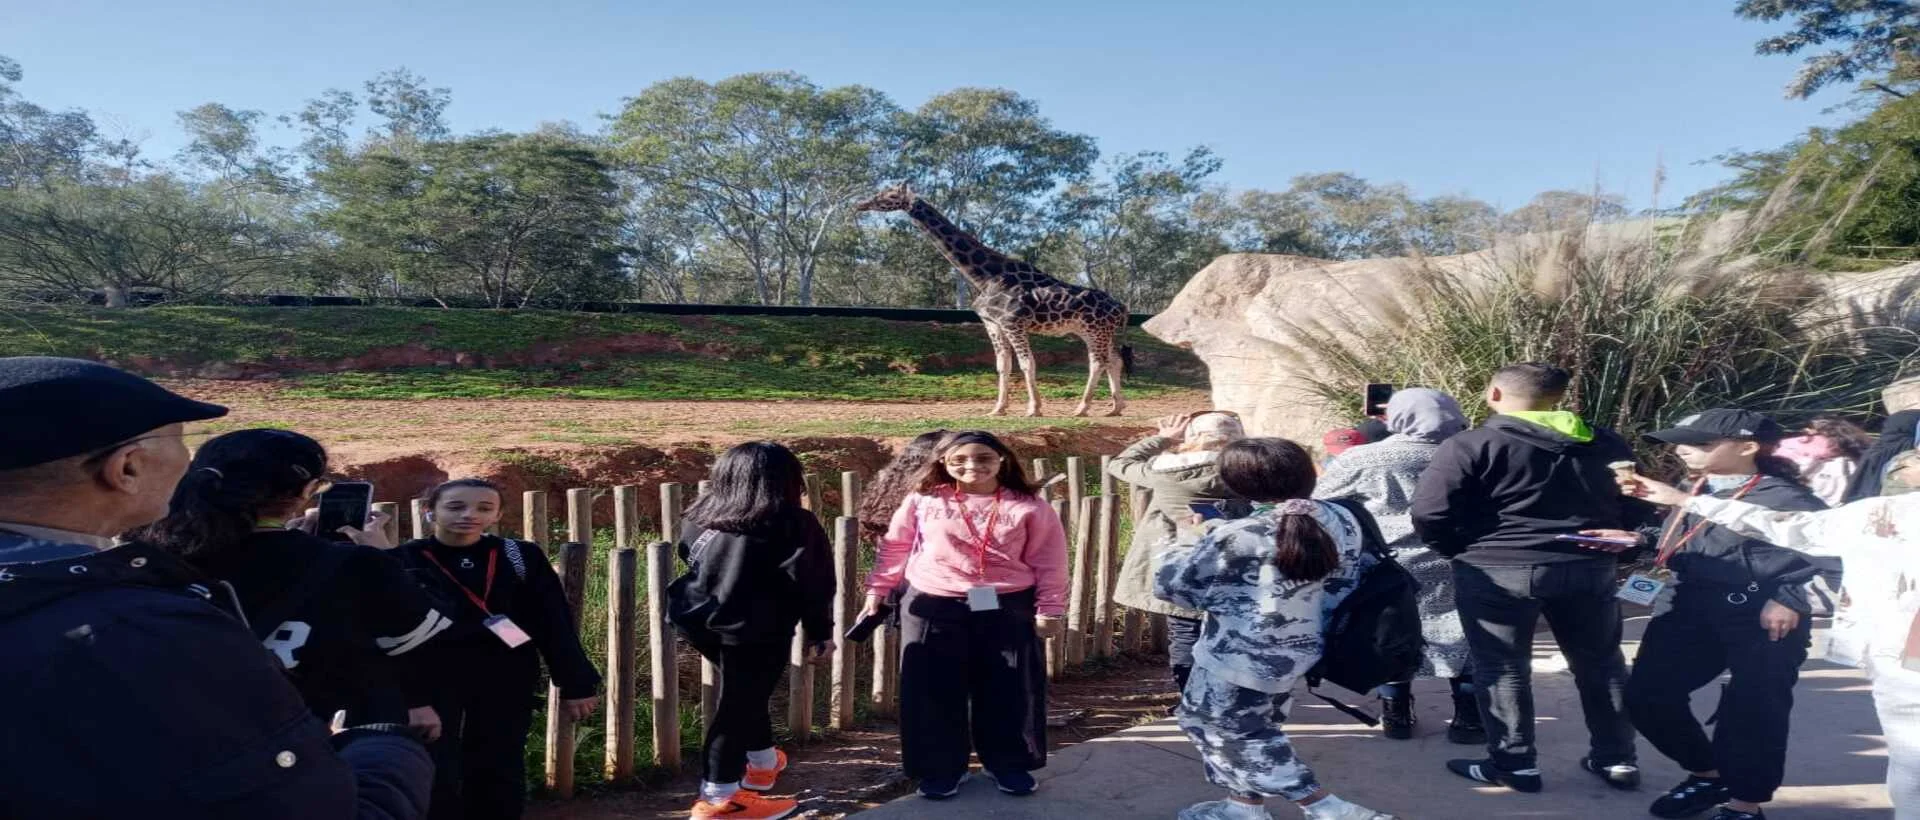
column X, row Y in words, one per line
column 578, row 709
column 818, row 651
column 1049, row 626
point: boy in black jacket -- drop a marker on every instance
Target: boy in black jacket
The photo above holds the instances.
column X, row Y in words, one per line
column 1727, row 603
column 1495, row 499
column 757, row 565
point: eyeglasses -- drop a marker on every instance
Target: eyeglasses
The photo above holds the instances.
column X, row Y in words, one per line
column 962, row 461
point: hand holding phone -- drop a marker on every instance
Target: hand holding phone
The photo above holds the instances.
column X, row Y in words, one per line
column 1208, row 510
column 346, row 513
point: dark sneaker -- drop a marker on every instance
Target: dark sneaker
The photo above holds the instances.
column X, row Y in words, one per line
column 1622, row 776
column 1731, row 813
column 1523, row 780
column 1016, row 783
column 941, row 788
column 1693, row 796
column 1396, row 718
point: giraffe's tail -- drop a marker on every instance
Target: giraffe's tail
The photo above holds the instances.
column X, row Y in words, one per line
column 1126, row 361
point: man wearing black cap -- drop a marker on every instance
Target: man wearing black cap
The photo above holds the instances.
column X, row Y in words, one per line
column 1722, row 602
column 129, row 691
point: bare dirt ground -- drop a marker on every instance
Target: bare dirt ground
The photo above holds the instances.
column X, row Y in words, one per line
column 847, row 772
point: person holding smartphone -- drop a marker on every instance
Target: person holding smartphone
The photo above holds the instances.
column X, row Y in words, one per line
column 1180, row 465
column 341, row 615
column 1726, row 602
column 758, row 565
column 985, row 563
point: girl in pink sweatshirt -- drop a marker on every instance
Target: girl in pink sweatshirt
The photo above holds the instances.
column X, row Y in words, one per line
column 984, row 563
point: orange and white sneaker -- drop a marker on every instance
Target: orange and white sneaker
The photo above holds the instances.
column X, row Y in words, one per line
column 744, row 805
column 761, row 780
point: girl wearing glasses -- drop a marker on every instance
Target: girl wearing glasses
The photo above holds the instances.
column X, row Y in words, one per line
column 985, row 564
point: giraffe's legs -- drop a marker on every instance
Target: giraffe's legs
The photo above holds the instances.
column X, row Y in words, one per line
column 1097, row 358
column 1116, row 370
column 1002, row 365
column 1023, row 350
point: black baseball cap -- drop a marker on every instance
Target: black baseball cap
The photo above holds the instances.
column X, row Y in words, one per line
column 1720, row 425
column 52, row 409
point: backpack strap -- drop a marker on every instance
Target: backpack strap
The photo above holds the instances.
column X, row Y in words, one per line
column 514, row 557
column 1313, row 684
column 315, row 577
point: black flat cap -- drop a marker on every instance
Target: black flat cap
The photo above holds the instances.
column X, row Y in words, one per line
column 52, row 409
column 1720, row 425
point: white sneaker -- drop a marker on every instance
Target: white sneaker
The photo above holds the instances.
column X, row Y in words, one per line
column 1334, row 808
column 1224, row 810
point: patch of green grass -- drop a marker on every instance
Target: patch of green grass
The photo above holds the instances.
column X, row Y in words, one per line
column 900, row 429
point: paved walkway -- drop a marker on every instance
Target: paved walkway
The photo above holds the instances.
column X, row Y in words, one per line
column 1834, row 769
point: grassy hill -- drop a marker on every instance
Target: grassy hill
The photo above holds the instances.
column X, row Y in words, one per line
column 420, row 353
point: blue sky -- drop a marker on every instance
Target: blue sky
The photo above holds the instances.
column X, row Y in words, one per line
column 1493, row 98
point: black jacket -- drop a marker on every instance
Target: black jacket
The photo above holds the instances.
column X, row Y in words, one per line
column 1498, row 494
column 753, row 587
column 130, row 694
column 526, row 590
column 1718, row 561
column 347, row 645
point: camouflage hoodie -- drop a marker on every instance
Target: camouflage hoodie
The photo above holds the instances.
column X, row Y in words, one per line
column 1262, row 631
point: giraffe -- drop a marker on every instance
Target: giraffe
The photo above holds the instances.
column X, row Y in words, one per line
column 1015, row 299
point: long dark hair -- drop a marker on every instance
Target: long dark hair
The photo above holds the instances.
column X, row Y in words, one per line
column 754, row 486
column 895, row 481
column 234, row 480
column 1011, row 477
column 1278, row 470
column 1848, row 440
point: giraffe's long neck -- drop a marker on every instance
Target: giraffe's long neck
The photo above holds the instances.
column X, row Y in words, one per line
column 967, row 253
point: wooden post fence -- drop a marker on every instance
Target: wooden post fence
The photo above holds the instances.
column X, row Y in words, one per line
column 580, row 516
column 1103, row 567
column 1106, row 478
column 885, row 700
column 1057, row 645
column 535, row 524
column 421, row 528
column 850, row 488
column 621, row 572
column 799, row 691
column 560, row 731
column 664, row 666
column 813, row 498
column 1076, row 488
column 1077, row 598
column 846, row 609
column 626, row 517
column 672, row 504
column 1039, row 476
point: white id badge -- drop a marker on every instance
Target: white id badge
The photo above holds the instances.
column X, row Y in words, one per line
column 509, row 632
column 1641, row 589
column 983, row 599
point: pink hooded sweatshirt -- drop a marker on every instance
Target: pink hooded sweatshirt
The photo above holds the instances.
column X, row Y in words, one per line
column 930, row 544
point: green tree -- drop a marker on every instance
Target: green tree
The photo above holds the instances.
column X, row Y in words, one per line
column 1564, row 210
column 769, row 163
column 511, row 220
column 1877, row 40
column 40, row 147
column 1135, row 233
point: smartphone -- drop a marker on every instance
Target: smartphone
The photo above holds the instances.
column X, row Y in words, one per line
column 345, row 504
column 1588, row 539
column 1207, row 510
column 1378, row 395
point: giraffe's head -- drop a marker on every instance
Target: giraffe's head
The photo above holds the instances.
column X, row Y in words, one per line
column 897, row 198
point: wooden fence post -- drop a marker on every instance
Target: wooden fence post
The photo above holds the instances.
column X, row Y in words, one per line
column 1057, row 645
column 1106, row 478
column 421, row 528
column 560, row 731
column 799, row 691
column 813, row 498
column 850, row 488
column 1103, row 567
column 391, row 528
column 1039, row 476
column 672, row 504
column 664, row 668
column 1077, row 597
column 626, row 516
column 846, row 609
column 621, row 571
column 535, row 524
column 580, row 516
column 1076, row 489
column 886, row 673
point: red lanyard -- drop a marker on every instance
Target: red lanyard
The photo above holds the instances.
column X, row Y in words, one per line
column 1665, row 552
column 493, row 562
column 980, row 541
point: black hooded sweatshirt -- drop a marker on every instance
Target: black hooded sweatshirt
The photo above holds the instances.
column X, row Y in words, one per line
column 1497, row 495
column 1718, row 561
column 751, row 588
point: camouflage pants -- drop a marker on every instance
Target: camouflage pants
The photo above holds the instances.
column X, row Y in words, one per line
column 1239, row 734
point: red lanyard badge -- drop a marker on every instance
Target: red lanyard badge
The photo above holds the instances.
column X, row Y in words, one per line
column 980, row 541
column 493, row 562
column 1667, row 551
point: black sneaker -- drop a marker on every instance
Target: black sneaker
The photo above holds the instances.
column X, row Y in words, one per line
column 941, row 788
column 1731, row 813
column 1693, row 796
column 1622, row 776
column 1016, row 783
column 1523, row 780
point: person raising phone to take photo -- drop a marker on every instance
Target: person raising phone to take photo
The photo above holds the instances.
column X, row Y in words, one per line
column 342, row 617
column 509, row 611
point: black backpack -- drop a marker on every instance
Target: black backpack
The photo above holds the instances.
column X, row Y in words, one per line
column 1373, row 636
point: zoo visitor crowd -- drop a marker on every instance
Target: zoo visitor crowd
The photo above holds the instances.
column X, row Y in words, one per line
column 177, row 639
